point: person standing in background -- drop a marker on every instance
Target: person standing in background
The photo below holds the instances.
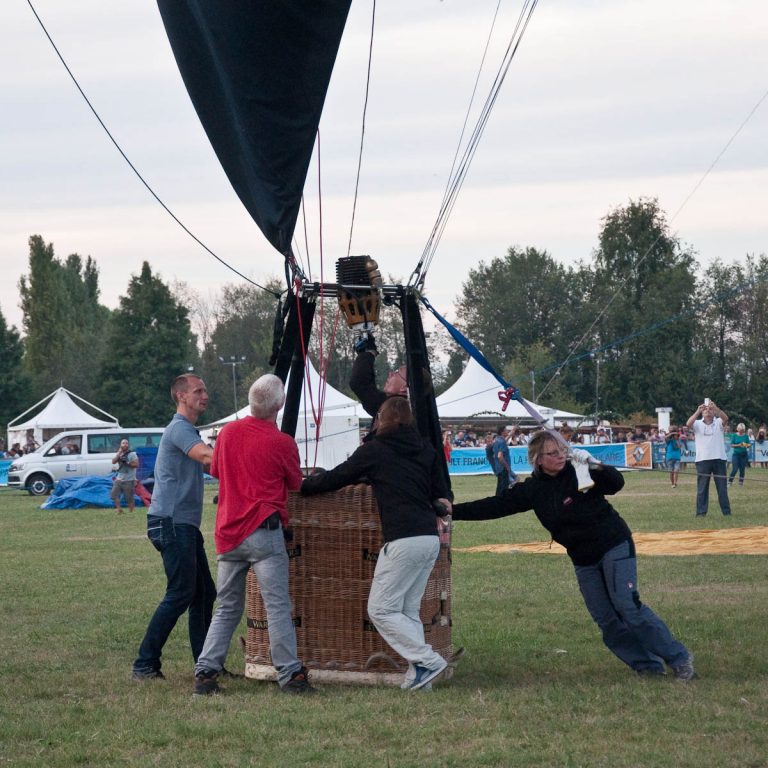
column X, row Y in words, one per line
column 502, row 467
column 739, row 453
column 673, row 455
column 125, row 480
column 708, row 423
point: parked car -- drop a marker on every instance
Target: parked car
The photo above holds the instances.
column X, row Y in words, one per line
column 76, row 453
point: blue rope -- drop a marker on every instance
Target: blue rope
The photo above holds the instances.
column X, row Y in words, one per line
column 468, row 346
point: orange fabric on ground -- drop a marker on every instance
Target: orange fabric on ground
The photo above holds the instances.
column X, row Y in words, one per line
column 728, row 541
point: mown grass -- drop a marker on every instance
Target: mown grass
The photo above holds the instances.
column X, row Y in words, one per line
column 537, row 687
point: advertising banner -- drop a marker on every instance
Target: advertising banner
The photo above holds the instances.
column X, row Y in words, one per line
column 472, row 461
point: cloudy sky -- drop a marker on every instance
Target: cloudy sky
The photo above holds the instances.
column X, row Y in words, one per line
column 605, row 102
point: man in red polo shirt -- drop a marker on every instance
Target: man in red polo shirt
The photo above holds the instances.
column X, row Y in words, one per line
column 256, row 465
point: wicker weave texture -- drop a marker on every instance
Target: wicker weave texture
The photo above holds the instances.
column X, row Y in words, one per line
column 336, row 539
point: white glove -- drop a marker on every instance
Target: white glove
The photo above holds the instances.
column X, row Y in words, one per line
column 581, row 460
column 580, row 456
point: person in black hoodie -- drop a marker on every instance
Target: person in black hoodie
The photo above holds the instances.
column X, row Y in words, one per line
column 600, row 545
column 404, row 472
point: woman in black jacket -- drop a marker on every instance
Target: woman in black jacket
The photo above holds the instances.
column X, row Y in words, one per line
column 404, row 471
column 600, row 545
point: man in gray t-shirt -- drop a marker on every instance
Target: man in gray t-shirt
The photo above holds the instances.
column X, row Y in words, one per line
column 178, row 491
column 173, row 527
column 125, row 481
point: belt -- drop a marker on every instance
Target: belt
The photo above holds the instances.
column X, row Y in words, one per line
column 272, row 522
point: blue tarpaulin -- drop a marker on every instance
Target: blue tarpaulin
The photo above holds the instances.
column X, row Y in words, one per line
column 79, row 492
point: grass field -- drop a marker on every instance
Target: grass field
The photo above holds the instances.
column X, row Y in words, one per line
column 536, row 688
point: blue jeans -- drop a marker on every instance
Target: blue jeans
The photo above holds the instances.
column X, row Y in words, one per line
column 264, row 551
column 189, row 587
column 502, row 482
column 738, row 464
column 717, row 469
column 630, row 629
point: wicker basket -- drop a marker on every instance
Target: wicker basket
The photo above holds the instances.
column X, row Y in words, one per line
column 336, row 541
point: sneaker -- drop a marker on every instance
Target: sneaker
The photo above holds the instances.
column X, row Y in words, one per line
column 299, row 683
column 409, row 677
column 425, row 675
column 139, row 675
column 206, row 683
column 684, row 670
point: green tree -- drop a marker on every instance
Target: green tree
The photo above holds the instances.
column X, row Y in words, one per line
column 644, row 288
column 514, row 301
column 243, row 327
column 732, row 348
column 63, row 321
column 13, row 379
column 149, row 343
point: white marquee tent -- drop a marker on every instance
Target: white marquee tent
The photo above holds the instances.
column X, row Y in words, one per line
column 60, row 413
column 339, row 431
column 475, row 393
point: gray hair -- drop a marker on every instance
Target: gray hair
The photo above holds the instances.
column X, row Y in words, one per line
column 266, row 396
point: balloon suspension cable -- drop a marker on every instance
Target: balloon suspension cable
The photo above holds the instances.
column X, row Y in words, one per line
column 458, row 175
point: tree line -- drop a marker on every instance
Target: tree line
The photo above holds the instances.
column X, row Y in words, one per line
column 635, row 326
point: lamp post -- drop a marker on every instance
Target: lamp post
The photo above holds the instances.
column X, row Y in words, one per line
column 533, row 386
column 233, row 361
column 597, row 387
column 596, row 358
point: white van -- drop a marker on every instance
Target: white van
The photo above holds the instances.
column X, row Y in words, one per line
column 76, row 453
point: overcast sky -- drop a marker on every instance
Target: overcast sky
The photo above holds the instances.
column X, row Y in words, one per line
column 605, row 102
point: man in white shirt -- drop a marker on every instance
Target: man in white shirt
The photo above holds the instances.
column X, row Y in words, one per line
column 709, row 433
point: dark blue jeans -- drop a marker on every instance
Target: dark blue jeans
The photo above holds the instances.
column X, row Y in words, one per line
column 738, row 464
column 502, row 482
column 630, row 629
column 190, row 588
column 705, row 469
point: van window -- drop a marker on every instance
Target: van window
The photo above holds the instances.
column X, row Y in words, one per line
column 107, row 442
column 151, row 440
column 67, row 446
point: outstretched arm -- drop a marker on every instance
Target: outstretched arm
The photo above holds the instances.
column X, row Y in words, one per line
column 513, row 500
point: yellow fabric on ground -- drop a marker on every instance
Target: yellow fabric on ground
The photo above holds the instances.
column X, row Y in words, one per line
column 728, row 541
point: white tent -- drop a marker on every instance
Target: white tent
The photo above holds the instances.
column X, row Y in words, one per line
column 338, row 434
column 475, row 393
column 59, row 414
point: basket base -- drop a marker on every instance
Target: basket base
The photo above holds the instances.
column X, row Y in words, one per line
column 266, row 673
